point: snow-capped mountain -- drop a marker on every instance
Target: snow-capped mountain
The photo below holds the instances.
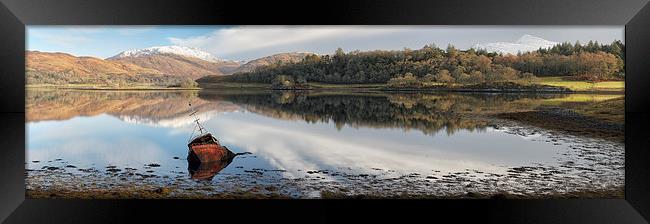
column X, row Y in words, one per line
column 178, row 61
column 177, row 50
column 525, row 43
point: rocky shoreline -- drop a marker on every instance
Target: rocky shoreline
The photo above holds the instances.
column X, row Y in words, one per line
column 592, row 168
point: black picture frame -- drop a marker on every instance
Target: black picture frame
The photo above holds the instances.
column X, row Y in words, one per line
column 16, row 14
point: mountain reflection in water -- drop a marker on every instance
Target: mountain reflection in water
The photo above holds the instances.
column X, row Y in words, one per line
column 428, row 113
column 338, row 137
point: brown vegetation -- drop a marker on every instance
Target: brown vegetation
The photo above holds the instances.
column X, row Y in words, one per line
column 409, row 68
column 42, row 62
column 177, row 65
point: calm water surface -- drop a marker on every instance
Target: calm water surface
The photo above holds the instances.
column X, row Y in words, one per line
column 302, row 143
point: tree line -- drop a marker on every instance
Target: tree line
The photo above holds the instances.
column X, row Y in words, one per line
column 591, row 61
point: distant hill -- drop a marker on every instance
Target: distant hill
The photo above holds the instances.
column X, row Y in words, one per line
column 290, row 57
column 162, row 66
column 177, row 61
column 44, row 62
column 282, row 57
column 62, row 68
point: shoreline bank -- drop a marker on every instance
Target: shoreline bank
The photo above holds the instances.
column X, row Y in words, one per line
column 110, row 89
column 497, row 88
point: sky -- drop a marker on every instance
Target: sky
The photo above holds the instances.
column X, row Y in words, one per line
column 244, row 43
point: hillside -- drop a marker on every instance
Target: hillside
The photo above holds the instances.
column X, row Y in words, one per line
column 62, row 69
column 44, row 62
column 177, row 61
column 178, row 65
column 290, row 57
column 268, row 60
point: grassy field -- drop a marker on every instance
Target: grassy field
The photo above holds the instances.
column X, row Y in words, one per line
column 617, row 86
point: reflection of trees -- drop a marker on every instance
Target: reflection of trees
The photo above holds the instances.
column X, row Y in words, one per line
column 154, row 105
column 429, row 113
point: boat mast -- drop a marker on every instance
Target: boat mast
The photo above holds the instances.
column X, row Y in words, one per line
column 196, row 119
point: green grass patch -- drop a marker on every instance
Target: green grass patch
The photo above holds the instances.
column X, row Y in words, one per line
column 583, row 85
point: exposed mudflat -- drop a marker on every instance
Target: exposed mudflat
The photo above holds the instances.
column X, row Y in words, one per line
column 567, row 121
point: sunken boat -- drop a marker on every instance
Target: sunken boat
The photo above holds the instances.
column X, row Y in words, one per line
column 205, row 147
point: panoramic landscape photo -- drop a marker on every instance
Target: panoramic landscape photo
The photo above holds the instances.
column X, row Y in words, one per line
column 301, row 112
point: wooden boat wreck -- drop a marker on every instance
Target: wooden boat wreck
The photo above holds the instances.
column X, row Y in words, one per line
column 205, row 147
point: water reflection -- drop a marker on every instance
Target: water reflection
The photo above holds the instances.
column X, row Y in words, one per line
column 157, row 108
column 293, row 133
column 291, row 129
column 207, row 170
column 429, row 113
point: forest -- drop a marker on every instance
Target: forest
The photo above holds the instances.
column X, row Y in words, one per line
column 589, row 62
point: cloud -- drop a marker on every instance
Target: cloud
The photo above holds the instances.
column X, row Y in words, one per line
column 247, row 38
column 96, row 150
column 296, row 146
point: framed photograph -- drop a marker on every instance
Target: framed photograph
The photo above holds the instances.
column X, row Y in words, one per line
column 511, row 111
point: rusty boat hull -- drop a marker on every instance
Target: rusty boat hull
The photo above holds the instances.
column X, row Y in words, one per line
column 206, row 148
column 207, row 153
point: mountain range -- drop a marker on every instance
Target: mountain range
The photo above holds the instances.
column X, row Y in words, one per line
column 170, row 65
column 163, row 64
column 44, row 62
